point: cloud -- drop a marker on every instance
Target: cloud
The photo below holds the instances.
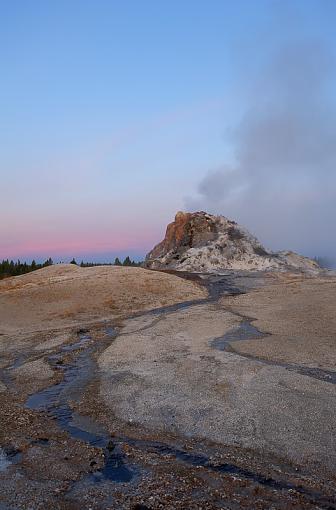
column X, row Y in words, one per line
column 282, row 184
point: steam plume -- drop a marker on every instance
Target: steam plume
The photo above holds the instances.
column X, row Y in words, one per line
column 283, row 182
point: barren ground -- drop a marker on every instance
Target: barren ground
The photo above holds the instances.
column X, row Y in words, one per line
column 129, row 388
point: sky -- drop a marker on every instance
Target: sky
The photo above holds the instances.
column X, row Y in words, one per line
column 115, row 115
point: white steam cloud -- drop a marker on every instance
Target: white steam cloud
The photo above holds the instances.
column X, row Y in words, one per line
column 283, row 183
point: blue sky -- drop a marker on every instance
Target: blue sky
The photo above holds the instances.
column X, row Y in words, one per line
column 112, row 113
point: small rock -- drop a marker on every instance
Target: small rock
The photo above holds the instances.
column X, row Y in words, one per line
column 110, row 446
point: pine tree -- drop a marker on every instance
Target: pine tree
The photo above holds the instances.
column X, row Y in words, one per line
column 127, row 261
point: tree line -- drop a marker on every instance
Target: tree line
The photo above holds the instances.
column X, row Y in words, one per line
column 12, row 268
column 117, row 262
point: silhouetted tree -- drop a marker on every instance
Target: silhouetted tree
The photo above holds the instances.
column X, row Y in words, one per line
column 127, row 261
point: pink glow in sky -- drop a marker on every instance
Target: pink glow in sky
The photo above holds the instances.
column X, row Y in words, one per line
column 63, row 245
column 115, row 118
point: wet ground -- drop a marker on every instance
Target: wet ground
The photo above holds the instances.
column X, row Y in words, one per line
column 64, row 447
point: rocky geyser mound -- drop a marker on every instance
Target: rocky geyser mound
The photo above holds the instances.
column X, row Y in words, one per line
column 201, row 242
